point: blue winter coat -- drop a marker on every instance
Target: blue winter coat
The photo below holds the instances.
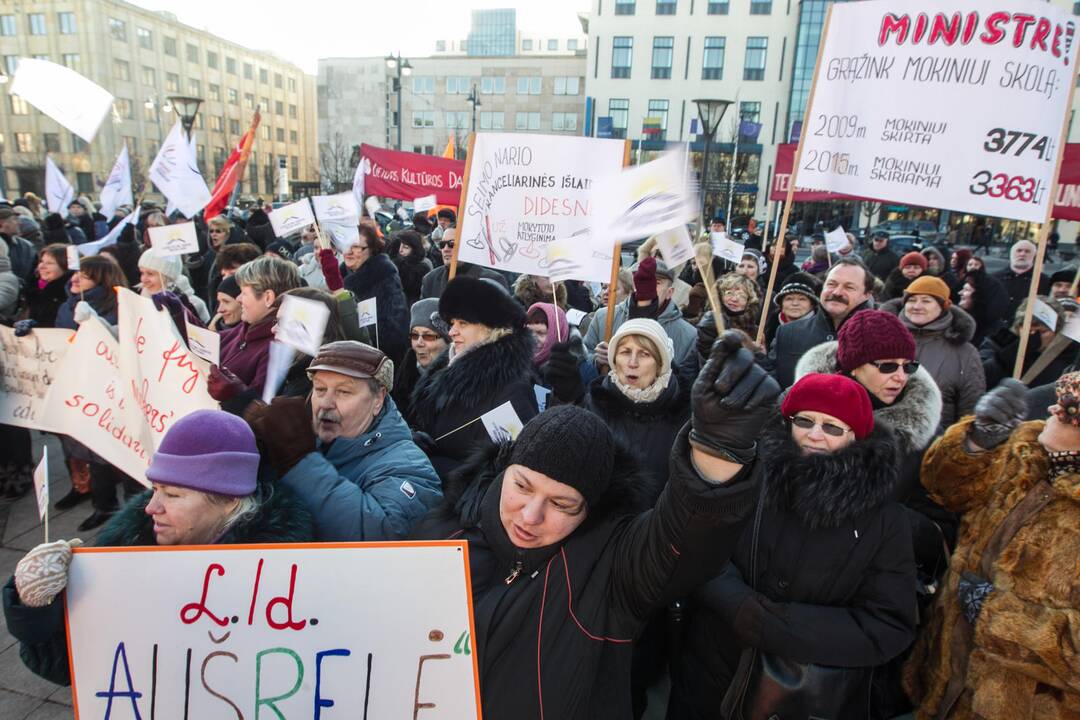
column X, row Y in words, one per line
column 375, row 486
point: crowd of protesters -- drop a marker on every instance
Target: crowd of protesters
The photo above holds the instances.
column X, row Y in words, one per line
column 851, row 512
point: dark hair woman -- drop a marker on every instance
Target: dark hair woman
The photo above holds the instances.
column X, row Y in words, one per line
column 48, row 292
column 407, row 253
column 371, row 274
column 93, row 282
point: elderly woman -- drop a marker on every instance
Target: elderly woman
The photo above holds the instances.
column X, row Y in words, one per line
column 549, row 326
column 206, row 490
column 824, row 575
column 488, row 364
column 796, row 298
column 741, row 302
column 160, row 273
column 371, row 274
column 943, row 346
column 428, row 338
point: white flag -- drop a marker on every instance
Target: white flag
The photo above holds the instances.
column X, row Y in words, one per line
column 63, row 94
column 41, row 483
column 836, row 240
column 358, row 180
column 176, row 174
column 643, row 200
column 292, row 218
column 58, row 191
column 93, row 248
column 117, row 190
column 502, row 423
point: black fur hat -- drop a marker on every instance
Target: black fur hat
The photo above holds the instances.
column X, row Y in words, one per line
column 480, row 301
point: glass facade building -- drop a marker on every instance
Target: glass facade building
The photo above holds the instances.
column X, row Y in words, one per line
column 493, row 33
column 811, row 21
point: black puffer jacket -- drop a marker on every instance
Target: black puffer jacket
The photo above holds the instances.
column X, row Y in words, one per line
column 412, row 267
column 835, row 580
column 45, row 302
column 555, row 640
column 378, row 278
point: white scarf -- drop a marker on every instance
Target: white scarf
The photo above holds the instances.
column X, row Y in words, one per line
column 642, row 395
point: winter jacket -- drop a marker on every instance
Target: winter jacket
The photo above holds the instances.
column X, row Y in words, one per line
column 998, row 354
column 374, row 486
column 1017, row 285
column 1024, row 662
column 378, row 278
column 245, row 351
column 10, row 290
column 44, row 302
column 944, row 348
column 95, row 297
column 990, row 309
column 683, row 335
column 895, row 285
column 648, row 428
column 795, row 338
column 555, row 625
column 413, row 267
column 881, row 263
column 835, row 582
column 435, row 281
column 22, row 256
column 449, row 399
column 406, row 374
column 280, row 518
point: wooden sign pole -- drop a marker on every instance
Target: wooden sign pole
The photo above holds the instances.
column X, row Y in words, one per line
column 778, row 253
column 460, row 219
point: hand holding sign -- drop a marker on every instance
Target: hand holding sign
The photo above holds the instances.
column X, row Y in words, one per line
column 836, row 240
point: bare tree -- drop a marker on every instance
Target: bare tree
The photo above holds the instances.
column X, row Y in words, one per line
column 870, row 209
column 335, row 164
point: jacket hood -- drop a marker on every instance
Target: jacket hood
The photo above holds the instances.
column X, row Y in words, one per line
column 827, row 491
column 954, row 324
column 387, row 429
column 913, row 417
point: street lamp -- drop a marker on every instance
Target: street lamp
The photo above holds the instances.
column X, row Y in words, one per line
column 404, row 69
column 474, row 99
column 152, row 104
column 187, row 108
column 710, row 112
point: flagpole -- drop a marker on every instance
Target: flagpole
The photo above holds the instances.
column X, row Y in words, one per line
column 734, row 164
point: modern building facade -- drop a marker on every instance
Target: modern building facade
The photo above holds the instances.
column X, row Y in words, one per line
column 142, row 58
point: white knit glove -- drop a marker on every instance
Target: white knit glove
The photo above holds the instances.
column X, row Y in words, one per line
column 43, row 573
column 83, row 312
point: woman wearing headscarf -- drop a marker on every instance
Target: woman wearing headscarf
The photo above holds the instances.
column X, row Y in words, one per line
column 985, row 299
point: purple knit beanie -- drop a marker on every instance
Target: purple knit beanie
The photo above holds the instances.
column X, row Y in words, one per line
column 870, row 335
column 208, row 450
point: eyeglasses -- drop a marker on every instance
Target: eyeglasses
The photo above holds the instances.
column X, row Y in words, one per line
column 428, row 336
column 449, row 244
column 828, row 428
column 888, row 368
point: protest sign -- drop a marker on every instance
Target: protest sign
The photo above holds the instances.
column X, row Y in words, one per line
column 785, row 159
column 340, row 208
column 643, row 200
column 1072, row 329
column 176, row 239
column 77, row 103
column 277, row 367
column 204, row 343
column 675, row 246
column 292, row 218
column 406, row 175
column 502, row 423
column 423, row 204
column 726, row 248
column 941, row 106
column 72, row 252
column 176, row 174
column 574, row 258
column 366, row 312
column 41, row 484
column 1045, row 314
column 30, row 366
column 381, row 630
column 836, row 240
column 575, row 316
column 301, row 323
column 526, row 191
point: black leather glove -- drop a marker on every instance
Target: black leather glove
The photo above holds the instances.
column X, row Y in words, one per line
column 23, row 327
column 998, row 412
column 706, row 335
column 283, row 429
column 425, row 442
column 730, row 402
column 561, row 371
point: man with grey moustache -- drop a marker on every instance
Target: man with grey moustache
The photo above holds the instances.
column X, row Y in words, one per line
column 350, row 456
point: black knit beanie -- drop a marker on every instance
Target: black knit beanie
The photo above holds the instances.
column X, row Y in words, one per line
column 570, row 445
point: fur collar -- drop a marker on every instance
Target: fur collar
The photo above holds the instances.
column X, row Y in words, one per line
column 827, row 491
column 914, row 416
column 372, row 272
column 473, row 377
column 955, row 324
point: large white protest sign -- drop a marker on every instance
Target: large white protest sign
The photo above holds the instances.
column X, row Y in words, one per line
column 378, row 630
column 93, row 248
column 575, row 258
column 30, row 365
column 942, row 104
column 526, row 191
column 67, row 97
column 175, row 239
column 643, row 200
column 58, row 191
column 292, row 218
column 117, row 190
column 176, row 174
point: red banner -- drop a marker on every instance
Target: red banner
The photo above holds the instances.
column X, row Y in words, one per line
column 1067, row 202
column 407, row 176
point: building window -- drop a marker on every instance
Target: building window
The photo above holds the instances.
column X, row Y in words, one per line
column 624, row 7
column 279, row 107
column 234, row 126
column 423, row 85
column 663, row 50
column 149, row 76
column 264, row 76
column 84, row 182
column 294, row 167
column 423, row 118
column 194, row 87
column 172, row 82
column 215, row 92
column 665, row 7
column 572, row 44
column 37, row 24
column 265, row 131
column 456, row 85
column 292, row 84
column 249, row 71
column 553, row 44
column 230, row 65
column 67, row 27
column 750, row 110
column 491, row 121
column 211, row 60
column 622, row 53
column 279, row 80
column 121, row 70
column 756, row 50
column 79, row 145
column 51, row 142
column 279, row 135
column 217, row 123
column 492, row 85
column 11, row 63
column 24, row 142
column 292, row 137
column 233, row 96
column 567, row 85
column 527, row 121
column 144, row 37
column 249, row 101
column 658, row 110
column 265, row 103
column 7, row 25
column 118, row 29
column 70, row 60
column 440, row 46
column 458, row 120
column 169, row 45
column 760, row 7
column 19, row 106
column 292, row 111
column 41, row 56
column 192, row 52
column 132, row 143
column 564, row 122
column 619, row 111
column 527, row 45
column 712, row 61
column 529, row 85
column 719, row 8
column 124, row 108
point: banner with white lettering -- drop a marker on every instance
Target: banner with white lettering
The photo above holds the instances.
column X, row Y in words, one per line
column 379, row 630
column 942, row 104
column 526, row 191
column 30, row 365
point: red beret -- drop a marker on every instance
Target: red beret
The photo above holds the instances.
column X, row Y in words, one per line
column 836, row 395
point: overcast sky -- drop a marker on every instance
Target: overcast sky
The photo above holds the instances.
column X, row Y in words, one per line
column 304, row 31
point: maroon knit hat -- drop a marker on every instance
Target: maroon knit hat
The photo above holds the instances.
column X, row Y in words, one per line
column 871, row 335
column 645, row 279
column 836, row 395
column 914, row 258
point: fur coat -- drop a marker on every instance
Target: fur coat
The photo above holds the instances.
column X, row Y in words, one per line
column 1025, row 661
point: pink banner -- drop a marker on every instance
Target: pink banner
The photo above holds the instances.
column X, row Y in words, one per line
column 1067, row 202
column 407, row 176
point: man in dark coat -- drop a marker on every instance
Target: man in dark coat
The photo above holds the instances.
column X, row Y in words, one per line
column 879, row 257
column 435, row 281
column 1017, row 277
column 20, row 251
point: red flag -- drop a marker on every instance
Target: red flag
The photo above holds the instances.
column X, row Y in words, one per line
column 231, row 172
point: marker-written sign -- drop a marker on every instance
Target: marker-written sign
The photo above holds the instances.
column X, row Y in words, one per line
column 177, row 239
column 30, row 365
column 382, row 630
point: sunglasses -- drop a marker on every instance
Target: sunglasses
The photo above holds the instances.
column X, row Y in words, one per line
column 448, row 244
column 428, row 336
column 828, row 428
column 888, row 368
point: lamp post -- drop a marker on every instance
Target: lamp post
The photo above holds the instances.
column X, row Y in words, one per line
column 710, row 112
column 404, row 69
column 474, row 99
column 152, row 104
column 187, row 108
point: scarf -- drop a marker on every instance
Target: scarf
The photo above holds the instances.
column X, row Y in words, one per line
column 642, row 395
column 1064, row 462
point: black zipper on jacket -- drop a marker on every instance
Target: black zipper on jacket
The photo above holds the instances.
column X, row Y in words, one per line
column 519, row 565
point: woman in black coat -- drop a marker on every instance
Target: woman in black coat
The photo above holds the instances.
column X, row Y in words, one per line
column 371, row 274
column 833, row 580
column 48, row 291
column 406, row 250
